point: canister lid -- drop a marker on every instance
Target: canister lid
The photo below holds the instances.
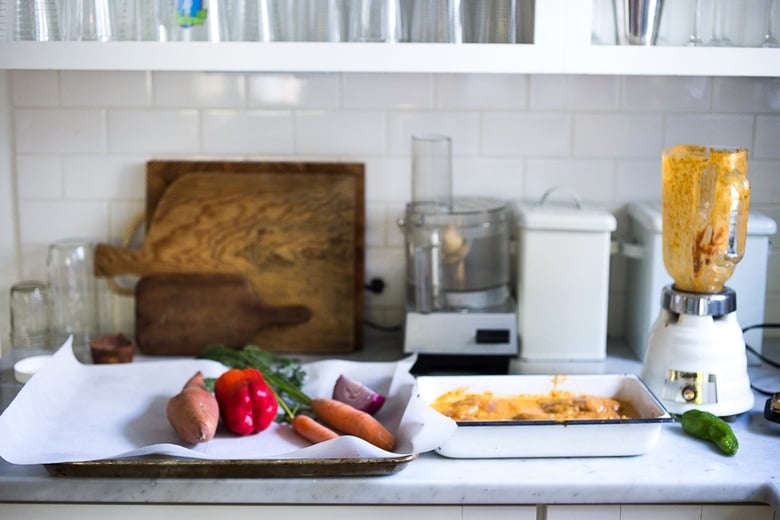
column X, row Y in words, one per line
column 555, row 216
column 648, row 215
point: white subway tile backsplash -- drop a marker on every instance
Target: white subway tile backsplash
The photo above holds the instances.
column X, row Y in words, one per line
column 394, row 235
column 638, row 181
column 123, row 214
column 583, row 93
column 38, row 177
column 269, row 90
column 764, row 181
column 153, row 131
column 244, row 131
column 709, row 129
column 461, row 127
column 390, row 265
column 620, row 135
column 103, row 177
column 195, row 89
column 344, row 132
column 489, row 177
column 591, row 180
column 35, row 88
column 666, row 94
column 387, row 179
column 44, row 222
column 60, row 130
column 389, row 91
column 767, row 138
column 105, row 89
column 82, row 139
column 481, row 91
column 746, row 95
column 526, row 134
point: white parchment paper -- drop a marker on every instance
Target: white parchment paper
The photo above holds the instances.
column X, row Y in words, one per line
column 72, row 412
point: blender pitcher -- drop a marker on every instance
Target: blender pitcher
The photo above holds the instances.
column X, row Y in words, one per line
column 705, row 202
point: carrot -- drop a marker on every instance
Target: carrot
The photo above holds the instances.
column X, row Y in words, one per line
column 311, row 430
column 194, row 413
column 352, row 421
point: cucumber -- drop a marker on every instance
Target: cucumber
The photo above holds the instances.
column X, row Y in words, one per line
column 707, row 426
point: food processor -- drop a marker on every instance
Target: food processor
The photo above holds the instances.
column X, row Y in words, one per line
column 460, row 315
column 696, row 355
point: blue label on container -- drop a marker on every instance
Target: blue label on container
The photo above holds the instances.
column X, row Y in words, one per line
column 190, row 12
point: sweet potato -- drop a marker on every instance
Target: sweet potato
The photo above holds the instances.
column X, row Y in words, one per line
column 194, row 413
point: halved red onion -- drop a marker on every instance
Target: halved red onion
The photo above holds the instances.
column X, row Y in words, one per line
column 357, row 395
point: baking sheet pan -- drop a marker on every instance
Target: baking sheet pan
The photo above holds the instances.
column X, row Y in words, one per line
column 156, row 467
column 109, row 420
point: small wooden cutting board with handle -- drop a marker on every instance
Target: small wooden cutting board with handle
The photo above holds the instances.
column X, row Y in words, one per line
column 180, row 314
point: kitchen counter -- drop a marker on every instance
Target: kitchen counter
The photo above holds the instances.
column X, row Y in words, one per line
column 679, row 469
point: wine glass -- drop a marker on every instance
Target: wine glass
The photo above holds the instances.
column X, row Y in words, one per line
column 719, row 36
column 695, row 38
column 769, row 37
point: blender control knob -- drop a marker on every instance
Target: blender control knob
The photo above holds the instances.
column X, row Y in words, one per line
column 689, row 393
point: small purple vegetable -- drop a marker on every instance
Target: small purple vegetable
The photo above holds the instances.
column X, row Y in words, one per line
column 357, row 395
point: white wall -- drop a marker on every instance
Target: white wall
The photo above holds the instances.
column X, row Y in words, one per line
column 80, row 140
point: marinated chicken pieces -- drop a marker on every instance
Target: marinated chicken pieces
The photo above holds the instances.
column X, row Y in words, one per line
column 461, row 405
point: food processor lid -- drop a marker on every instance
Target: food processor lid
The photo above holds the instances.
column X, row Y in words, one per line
column 699, row 304
column 463, row 212
column 648, row 214
column 564, row 217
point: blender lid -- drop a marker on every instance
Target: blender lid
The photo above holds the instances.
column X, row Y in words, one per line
column 648, row 214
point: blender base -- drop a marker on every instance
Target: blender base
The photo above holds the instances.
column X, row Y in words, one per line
column 698, row 362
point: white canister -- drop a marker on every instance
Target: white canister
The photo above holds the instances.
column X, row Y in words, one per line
column 563, row 256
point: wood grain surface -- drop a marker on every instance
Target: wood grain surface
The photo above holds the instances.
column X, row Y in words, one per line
column 175, row 314
column 295, row 230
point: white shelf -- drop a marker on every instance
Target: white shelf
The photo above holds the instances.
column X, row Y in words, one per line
column 380, row 57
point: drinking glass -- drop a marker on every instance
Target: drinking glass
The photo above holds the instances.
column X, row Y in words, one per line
column 89, row 20
column 695, row 39
column 490, row 22
column 436, row 21
column 36, row 20
column 30, row 315
column 375, row 21
column 254, row 20
column 73, row 292
column 770, row 40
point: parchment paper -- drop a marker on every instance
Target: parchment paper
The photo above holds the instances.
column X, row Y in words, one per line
column 71, row 412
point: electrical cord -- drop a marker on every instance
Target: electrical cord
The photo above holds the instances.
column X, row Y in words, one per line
column 760, row 356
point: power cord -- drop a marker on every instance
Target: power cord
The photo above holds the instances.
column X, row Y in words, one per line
column 772, row 407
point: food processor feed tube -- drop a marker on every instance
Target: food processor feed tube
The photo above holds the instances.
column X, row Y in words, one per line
column 696, row 352
column 431, row 194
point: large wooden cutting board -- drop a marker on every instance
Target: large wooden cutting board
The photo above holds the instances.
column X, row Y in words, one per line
column 295, row 230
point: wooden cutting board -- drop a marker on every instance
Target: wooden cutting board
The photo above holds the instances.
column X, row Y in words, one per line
column 175, row 313
column 294, row 230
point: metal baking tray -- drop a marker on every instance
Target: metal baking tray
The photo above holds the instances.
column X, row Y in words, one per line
column 158, row 467
column 544, row 438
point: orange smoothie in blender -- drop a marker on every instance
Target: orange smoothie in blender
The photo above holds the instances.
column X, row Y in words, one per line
column 705, row 201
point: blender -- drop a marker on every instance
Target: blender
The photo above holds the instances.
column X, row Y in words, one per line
column 460, row 315
column 696, row 352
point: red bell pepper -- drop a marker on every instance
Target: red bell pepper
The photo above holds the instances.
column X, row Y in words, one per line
column 246, row 402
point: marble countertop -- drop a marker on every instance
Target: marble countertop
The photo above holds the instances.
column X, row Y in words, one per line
column 679, row 469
